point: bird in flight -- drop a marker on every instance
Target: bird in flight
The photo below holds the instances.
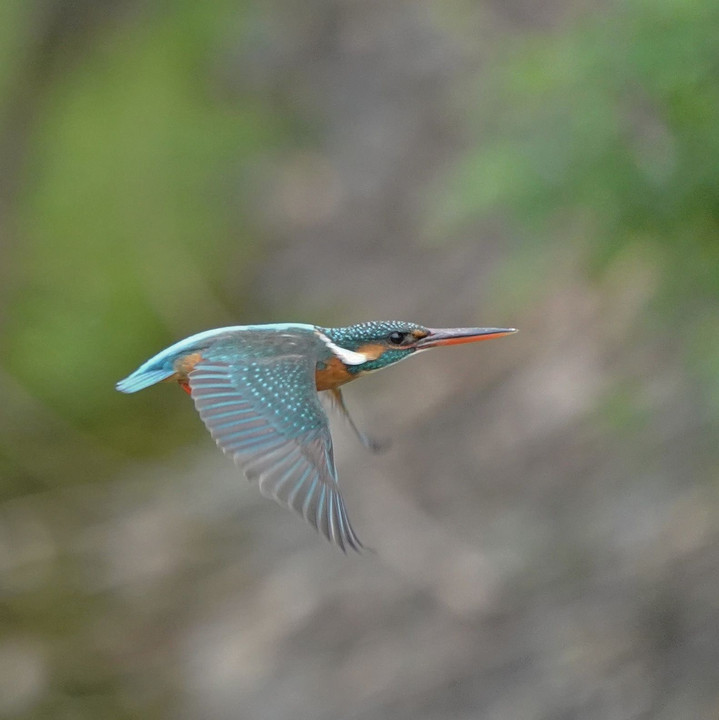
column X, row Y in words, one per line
column 256, row 390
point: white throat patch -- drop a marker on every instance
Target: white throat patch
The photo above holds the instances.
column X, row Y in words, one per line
column 348, row 357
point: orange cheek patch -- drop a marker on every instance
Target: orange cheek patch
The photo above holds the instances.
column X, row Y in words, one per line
column 371, row 351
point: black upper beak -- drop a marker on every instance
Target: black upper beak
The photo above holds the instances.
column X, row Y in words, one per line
column 456, row 336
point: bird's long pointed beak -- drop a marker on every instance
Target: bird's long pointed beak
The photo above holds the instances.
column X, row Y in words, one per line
column 457, row 336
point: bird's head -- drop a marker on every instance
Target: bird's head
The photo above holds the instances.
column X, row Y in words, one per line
column 387, row 342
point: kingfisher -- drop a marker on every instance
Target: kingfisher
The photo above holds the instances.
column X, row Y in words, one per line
column 256, row 389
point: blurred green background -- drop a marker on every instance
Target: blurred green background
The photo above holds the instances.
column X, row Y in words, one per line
column 547, row 520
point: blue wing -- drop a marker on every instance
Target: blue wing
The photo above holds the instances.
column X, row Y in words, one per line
column 162, row 366
column 257, row 396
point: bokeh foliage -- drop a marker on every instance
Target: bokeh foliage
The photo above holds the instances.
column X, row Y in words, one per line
column 604, row 136
column 137, row 166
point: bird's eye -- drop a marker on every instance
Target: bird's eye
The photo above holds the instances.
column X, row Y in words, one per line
column 396, row 338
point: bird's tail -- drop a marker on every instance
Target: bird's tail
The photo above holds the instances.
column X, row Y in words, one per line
column 143, row 377
column 162, row 366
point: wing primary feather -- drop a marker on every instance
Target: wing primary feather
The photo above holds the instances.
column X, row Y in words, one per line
column 349, row 535
column 244, row 429
column 309, row 495
column 332, row 523
column 338, row 523
column 296, row 488
column 212, row 396
column 262, row 443
column 238, row 413
column 320, row 516
column 242, row 420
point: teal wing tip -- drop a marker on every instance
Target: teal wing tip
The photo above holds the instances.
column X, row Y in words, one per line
column 141, row 379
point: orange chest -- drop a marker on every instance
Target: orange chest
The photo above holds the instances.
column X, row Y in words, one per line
column 335, row 373
column 332, row 375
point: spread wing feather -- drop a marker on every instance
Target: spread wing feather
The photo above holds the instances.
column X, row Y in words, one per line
column 265, row 413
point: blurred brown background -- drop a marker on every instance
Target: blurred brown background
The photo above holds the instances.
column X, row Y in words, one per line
column 547, row 520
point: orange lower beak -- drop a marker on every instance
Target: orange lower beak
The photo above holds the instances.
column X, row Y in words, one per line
column 457, row 336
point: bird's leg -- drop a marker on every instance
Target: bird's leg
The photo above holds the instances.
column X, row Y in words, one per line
column 368, row 442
